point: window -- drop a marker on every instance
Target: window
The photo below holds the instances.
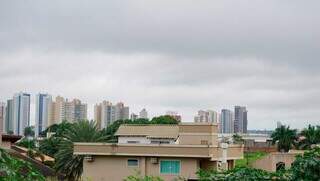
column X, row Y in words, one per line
column 280, row 166
column 160, row 142
column 169, row 167
column 133, row 162
column 204, row 142
column 133, row 142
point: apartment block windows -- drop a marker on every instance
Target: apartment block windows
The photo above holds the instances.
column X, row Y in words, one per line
column 133, row 162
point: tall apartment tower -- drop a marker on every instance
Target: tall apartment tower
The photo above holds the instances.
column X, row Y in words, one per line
column 2, row 117
column 240, row 119
column 143, row 114
column 64, row 110
column 43, row 116
column 106, row 113
column 206, row 116
column 226, row 123
column 21, row 112
column 8, row 125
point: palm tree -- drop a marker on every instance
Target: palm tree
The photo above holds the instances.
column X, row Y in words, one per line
column 311, row 136
column 284, row 137
column 67, row 163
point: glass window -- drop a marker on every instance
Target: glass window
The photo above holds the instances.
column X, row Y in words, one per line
column 133, row 162
column 169, row 167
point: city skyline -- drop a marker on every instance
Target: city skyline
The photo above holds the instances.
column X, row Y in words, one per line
column 157, row 55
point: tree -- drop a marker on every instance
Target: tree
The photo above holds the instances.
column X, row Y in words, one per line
column 50, row 146
column 311, row 136
column 139, row 177
column 237, row 139
column 67, row 163
column 26, row 143
column 12, row 169
column 284, row 137
column 164, row 120
column 29, row 131
column 307, row 166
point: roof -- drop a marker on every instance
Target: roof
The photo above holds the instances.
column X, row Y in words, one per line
column 11, row 138
column 150, row 131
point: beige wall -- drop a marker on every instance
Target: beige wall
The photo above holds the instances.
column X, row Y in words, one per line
column 113, row 168
column 5, row 144
column 270, row 161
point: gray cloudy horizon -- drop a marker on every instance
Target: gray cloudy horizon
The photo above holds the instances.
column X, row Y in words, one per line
column 168, row 55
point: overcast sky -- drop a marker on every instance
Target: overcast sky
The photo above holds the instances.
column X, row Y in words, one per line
column 168, row 55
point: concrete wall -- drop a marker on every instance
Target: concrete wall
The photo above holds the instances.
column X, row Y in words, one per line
column 270, row 161
column 114, row 168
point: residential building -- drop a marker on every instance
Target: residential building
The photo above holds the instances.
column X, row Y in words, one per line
column 65, row 110
column 206, row 116
column 227, row 125
column 143, row 114
column 2, row 117
column 42, row 117
column 240, row 119
column 8, row 125
column 167, row 151
column 279, row 124
column 21, row 112
column 133, row 116
column 174, row 115
column 106, row 113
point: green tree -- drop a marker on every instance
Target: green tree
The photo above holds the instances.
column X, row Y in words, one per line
column 284, row 137
column 164, row 120
column 13, row 169
column 237, row 139
column 29, row 131
column 311, row 137
column 66, row 162
column 27, row 143
column 307, row 166
column 50, row 146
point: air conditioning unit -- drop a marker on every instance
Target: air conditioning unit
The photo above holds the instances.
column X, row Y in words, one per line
column 89, row 158
column 154, row 160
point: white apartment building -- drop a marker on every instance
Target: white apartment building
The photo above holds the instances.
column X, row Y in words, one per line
column 143, row 114
column 206, row 116
column 106, row 113
column 21, row 112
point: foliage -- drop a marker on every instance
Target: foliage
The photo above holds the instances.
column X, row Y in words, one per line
column 311, row 137
column 13, row 169
column 249, row 158
column 27, row 143
column 138, row 177
column 284, row 137
column 67, row 163
column 29, row 131
column 237, row 139
column 50, row 146
column 307, row 166
column 58, row 129
column 166, row 119
column 241, row 174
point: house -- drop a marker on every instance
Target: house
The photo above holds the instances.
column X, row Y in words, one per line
column 168, row 151
column 8, row 140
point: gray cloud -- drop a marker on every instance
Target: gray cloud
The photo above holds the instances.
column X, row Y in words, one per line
column 162, row 55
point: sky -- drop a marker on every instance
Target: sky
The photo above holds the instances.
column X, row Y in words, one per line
column 168, row 55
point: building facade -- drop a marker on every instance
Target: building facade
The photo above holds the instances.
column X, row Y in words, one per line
column 21, row 112
column 167, row 151
column 2, row 118
column 240, row 119
column 8, row 125
column 42, row 117
column 106, row 113
column 226, row 121
column 143, row 114
column 206, row 116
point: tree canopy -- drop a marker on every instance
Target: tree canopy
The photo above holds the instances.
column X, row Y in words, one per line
column 284, row 137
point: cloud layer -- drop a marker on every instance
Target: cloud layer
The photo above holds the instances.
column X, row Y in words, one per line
column 168, row 55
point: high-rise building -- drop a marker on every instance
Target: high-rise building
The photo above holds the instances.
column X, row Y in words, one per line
column 43, row 116
column 2, row 117
column 279, row 124
column 64, row 110
column 174, row 115
column 226, row 122
column 133, row 116
column 21, row 112
column 143, row 114
column 206, row 116
column 106, row 113
column 8, row 125
column 240, row 119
